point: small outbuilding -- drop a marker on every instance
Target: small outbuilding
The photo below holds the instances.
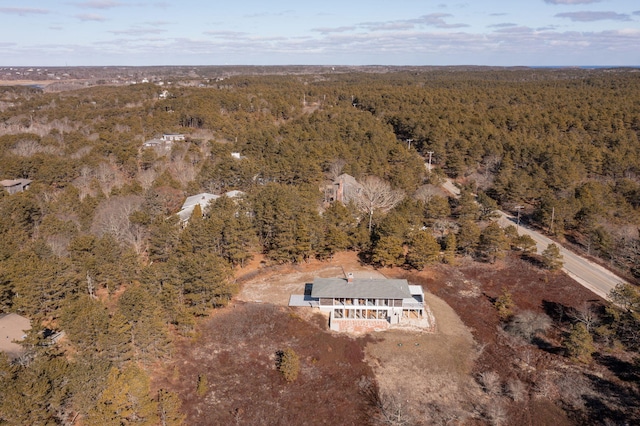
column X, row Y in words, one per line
column 13, row 186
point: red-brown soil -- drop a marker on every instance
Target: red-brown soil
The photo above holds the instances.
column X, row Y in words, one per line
column 427, row 378
column 236, row 351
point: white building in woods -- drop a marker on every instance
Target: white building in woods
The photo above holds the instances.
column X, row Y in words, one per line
column 165, row 141
column 13, row 186
column 366, row 304
column 13, row 328
column 203, row 200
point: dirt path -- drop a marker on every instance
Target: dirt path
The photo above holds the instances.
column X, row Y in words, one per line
column 276, row 285
column 430, row 372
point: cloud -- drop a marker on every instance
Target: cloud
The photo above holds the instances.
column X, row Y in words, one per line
column 437, row 20
column 586, row 16
column 229, row 35
column 637, row 12
column 572, row 1
column 98, row 4
column 516, row 30
column 138, row 31
column 91, row 17
column 333, row 30
column 23, row 11
column 433, row 20
column 503, row 25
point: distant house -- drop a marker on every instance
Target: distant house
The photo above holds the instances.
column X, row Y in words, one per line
column 202, row 199
column 13, row 186
column 13, row 328
column 173, row 137
column 190, row 203
column 165, row 141
column 345, row 188
column 361, row 304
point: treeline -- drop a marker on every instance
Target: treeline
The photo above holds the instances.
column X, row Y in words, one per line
column 562, row 144
column 94, row 248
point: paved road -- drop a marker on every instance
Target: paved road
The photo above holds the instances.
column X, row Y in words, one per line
column 590, row 275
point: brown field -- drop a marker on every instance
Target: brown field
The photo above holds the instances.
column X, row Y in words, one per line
column 418, row 377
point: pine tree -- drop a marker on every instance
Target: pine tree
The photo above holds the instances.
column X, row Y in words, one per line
column 388, row 251
column 450, row 247
column 468, row 237
column 126, row 399
column 169, row 408
column 424, row 249
column 493, row 242
column 504, row 305
column 288, row 364
column 579, row 344
column 142, row 311
column 551, row 257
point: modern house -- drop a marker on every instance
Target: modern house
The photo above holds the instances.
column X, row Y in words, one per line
column 165, row 141
column 344, row 189
column 13, row 186
column 202, row 199
column 13, row 328
column 173, row 137
column 366, row 304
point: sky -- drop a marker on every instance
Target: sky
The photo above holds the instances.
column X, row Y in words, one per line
column 324, row 32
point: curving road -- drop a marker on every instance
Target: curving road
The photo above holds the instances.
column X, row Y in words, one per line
column 590, row 275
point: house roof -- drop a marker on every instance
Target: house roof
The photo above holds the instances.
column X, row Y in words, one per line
column 13, row 182
column 190, row 204
column 234, row 194
column 360, row 288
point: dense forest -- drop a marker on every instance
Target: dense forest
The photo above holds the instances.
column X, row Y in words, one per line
column 94, row 248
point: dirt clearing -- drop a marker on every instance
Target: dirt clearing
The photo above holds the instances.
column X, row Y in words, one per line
column 427, row 369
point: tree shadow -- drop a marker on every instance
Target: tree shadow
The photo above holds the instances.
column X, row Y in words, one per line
column 544, row 345
column 556, row 311
column 533, row 259
column 624, row 370
column 613, row 402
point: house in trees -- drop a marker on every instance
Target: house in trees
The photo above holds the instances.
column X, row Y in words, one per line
column 13, row 328
column 173, row 137
column 165, row 141
column 366, row 304
column 13, row 186
column 202, row 199
column 344, row 189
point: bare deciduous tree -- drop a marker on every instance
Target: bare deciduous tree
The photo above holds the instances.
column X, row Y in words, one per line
column 335, row 169
column 113, row 217
column 490, row 381
column 585, row 314
column 377, row 195
column 426, row 192
column 516, row 390
column 527, row 324
column 146, row 178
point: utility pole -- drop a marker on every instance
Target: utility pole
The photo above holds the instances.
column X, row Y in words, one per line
column 430, row 154
column 409, row 142
column 553, row 213
column 518, row 221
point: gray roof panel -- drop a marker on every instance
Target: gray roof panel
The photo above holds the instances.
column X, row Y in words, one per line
column 360, row 288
